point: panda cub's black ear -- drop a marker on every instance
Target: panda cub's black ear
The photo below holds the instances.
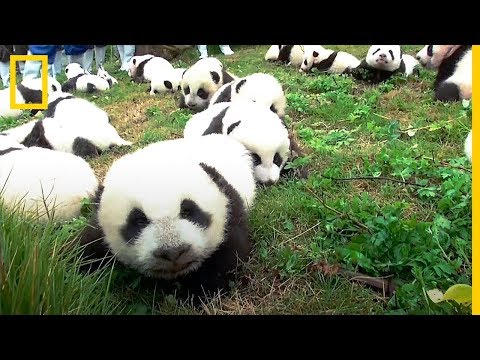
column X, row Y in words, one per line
column 215, row 77
column 239, row 85
column 315, row 54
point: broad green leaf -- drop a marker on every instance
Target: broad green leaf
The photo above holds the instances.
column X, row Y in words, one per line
column 461, row 293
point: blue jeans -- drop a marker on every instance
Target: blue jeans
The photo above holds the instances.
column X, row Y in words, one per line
column 32, row 69
column 5, row 73
column 126, row 53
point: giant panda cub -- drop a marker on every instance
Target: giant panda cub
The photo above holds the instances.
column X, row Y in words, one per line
column 144, row 67
column 158, row 221
column 287, row 54
column 79, row 80
column 66, row 106
column 255, row 126
column 47, row 184
column 201, row 81
column 326, row 60
column 167, row 82
column 382, row 62
column 29, row 91
column 454, row 64
column 261, row 88
column 84, row 138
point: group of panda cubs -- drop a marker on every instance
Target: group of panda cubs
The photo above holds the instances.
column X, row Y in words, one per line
column 177, row 209
column 43, row 162
column 453, row 64
column 186, row 219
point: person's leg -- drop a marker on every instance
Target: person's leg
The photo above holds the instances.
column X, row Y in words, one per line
column 129, row 52
column 51, row 70
column 88, row 60
column 100, row 55
column 5, row 73
column 76, row 59
column 121, row 53
column 203, row 51
column 225, row 49
column 58, row 62
column 32, row 69
column 21, row 67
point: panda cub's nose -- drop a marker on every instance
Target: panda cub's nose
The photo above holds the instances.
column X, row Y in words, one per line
column 383, row 55
column 418, row 57
column 171, row 253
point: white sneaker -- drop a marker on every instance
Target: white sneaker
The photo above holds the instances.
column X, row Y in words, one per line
column 226, row 50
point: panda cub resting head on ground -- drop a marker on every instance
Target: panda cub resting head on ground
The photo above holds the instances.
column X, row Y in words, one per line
column 188, row 224
column 382, row 62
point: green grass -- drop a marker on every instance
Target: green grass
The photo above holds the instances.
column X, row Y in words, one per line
column 402, row 207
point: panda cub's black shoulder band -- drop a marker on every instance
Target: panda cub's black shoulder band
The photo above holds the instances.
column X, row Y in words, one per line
column 53, row 105
column 216, row 126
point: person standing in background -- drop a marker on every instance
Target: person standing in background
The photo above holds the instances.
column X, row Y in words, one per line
column 126, row 53
column 59, row 60
column 32, row 68
column 5, row 52
column 76, row 53
column 225, row 49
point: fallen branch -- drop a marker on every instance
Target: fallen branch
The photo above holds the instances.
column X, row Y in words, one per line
column 373, row 178
column 384, row 284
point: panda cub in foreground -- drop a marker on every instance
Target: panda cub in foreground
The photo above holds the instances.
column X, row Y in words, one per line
column 382, row 62
column 263, row 89
column 255, row 126
column 144, row 68
column 167, row 82
column 85, row 138
column 454, row 64
column 200, row 82
column 29, row 91
column 48, row 184
column 79, row 80
column 326, row 60
column 167, row 226
column 287, row 54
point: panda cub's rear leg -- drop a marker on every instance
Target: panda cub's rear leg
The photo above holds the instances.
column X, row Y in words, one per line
column 85, row 148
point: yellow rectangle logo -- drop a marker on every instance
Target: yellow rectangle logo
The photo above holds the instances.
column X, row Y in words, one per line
column 13, row 77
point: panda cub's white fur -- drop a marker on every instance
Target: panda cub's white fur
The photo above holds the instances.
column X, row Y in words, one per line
column 468, row 146
column 326, row 60
column 201, row 81
column 146, row 67
column 28, row 91
column 45, row 183
column 411, row 64
column 71, row 108
column 288, row 54
column 255, row 126
column 101, row 72
column 167, row 81
column 83, row 138
column 263, row 89
column 158, row 221
column 79, row 80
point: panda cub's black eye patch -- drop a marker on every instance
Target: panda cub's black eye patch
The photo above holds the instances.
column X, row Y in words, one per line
column 189, row 210
column 305, row 62
column 256, row 159
column 391, row 53
column 136, row 222
column 168, row 84
column 277, row 159
column 202, row 94
column 430, row 50
column 186, row 90
column 376, row 51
